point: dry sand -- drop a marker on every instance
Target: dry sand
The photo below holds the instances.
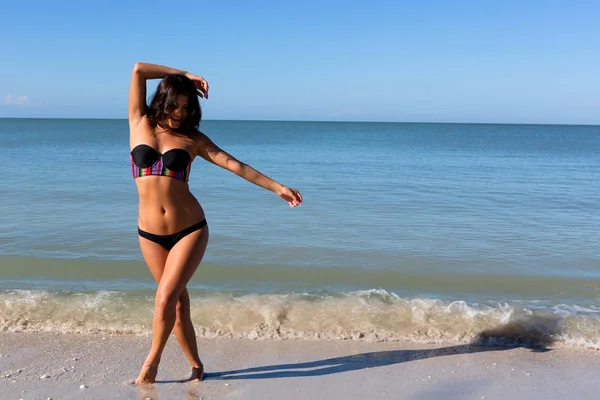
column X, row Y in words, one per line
column 43, row 366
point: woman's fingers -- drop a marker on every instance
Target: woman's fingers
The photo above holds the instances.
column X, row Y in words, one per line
column 205, row 87
column 202, row 88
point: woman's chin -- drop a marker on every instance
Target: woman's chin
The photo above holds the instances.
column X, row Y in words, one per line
column 174, row 124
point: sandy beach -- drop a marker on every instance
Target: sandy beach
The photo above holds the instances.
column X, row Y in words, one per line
column 43, row 366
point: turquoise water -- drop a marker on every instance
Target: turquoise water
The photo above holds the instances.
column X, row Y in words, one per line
column 453, row 228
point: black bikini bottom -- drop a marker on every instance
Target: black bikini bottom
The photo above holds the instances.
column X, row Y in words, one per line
column 168, row 241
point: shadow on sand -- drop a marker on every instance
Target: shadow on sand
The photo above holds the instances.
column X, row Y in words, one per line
column 502, row 338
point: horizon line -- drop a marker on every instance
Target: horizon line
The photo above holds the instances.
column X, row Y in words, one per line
column 325, row 121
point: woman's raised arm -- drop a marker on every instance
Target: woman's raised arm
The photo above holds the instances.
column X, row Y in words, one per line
column 137, row 89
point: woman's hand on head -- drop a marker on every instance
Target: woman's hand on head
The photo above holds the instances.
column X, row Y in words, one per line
column 200, row 83
column 292, row 196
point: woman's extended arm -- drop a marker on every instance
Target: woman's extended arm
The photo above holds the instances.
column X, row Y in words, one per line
column 137, row 89
column 212, row 153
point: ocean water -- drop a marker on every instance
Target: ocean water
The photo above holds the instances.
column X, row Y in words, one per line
column 421, row 232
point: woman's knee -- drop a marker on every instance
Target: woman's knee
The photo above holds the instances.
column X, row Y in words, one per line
column 166, row 300
column 183, row 306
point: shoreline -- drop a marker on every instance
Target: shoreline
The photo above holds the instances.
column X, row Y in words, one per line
column 48, row 365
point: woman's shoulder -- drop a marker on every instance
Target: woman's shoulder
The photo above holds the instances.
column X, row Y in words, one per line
column 198, row 137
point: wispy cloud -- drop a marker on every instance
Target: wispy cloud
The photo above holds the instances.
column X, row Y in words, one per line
column 16, row 100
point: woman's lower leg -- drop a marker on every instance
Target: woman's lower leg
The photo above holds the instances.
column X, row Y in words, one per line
column 184, row 331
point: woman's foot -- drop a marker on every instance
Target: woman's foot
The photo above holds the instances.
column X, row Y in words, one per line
column 147, row 375
column 197, row 373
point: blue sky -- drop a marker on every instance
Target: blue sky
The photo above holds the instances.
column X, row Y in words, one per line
column 428, row 61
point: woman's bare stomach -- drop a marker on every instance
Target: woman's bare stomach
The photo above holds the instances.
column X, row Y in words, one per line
column 166, row 206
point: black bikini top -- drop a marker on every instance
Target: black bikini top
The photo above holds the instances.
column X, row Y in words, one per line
column 146, row 161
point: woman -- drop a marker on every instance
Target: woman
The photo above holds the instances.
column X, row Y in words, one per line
column 164, row 140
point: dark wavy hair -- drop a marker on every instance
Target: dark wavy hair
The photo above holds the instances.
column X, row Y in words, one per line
column 163, row 101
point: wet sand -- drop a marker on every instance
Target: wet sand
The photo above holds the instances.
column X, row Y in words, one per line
column 42, row 366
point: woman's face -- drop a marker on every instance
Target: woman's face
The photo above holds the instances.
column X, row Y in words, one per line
column 179, row 114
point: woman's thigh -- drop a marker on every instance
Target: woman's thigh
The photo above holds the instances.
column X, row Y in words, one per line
column 155, row 256
column 182, row 261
